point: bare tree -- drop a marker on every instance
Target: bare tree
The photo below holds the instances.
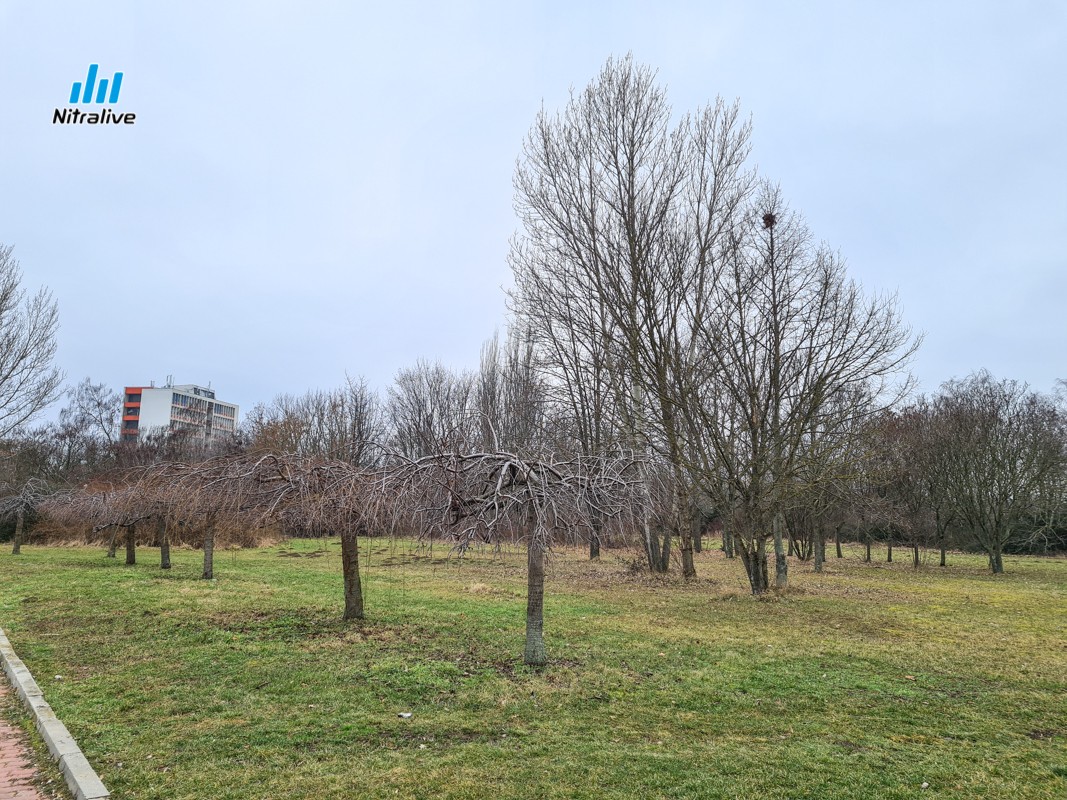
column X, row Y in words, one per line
column 429, row 410
column 28, row 325
column 19, row 503
column 88, row 426
column 509, row 396
column 477, row 496
column 796, row 358
column 1005, row 450
column 625, row 212
column 339, row 423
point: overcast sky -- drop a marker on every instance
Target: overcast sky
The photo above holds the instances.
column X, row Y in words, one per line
column 313, row 189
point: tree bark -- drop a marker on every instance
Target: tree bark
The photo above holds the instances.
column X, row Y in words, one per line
column 820, row 548
column 996, row 560
column 535, row 654
column 164, row 542
column 113, row 544
column 594, row 537
column 659, row 553
column 915, row 555
column 755, row 560
column 781, row 563
column 682, row 522
column 350, row 569
column 20, row 520
column 867, row 558
column 689, row 569
column 131, row 544
column 209, row 552
column 837, row 540
column 889, row 552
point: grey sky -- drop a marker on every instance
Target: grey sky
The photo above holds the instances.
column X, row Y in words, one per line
column 313, row 188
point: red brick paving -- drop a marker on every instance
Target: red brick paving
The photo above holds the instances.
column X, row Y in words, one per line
column 16, row 766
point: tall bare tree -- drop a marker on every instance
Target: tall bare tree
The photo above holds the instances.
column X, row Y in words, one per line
column 624, row 211
column 796, row 359
column 28, row 325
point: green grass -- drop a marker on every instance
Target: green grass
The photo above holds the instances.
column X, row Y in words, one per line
column 863, row 682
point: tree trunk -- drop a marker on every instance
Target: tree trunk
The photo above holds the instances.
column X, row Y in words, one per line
column 915, row 554
column 594, row 537
column 535, row 654
column 889, row 552
column 20, row 520
column 754, row 558
column 131, row 544
column 996, row 562
column 698, row 535
column 820, row 548
column 689, row 569
column 164, row 542
column 837, row 540
column 209, row 552
column 781, row 563
column 113, row 544
column 350, row 569
column 867, row 558
column 728, row 541
column 657, row 551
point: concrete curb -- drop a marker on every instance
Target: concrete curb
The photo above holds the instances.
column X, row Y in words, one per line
column 82, row 780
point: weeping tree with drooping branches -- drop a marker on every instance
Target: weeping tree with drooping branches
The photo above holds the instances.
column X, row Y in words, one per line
column 476, row 497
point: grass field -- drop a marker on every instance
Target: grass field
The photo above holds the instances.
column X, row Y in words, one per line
column 864, row 682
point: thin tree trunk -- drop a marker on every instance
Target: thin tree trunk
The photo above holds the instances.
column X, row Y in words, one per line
column 837, row 540
column 728, row 543
column 689, row 569
column 698, row 534
column 915, row 554
column 651, row 543
column 820, row 548
column 131, row 544
column 350, row 569
column 681, row 520
column 867, row 558
column 594, row 536
column 535, row 654
column 114, row 543
column 20, row 519
column 889, row 552
column 781, row 563
column 164, row 542
column 209, row 552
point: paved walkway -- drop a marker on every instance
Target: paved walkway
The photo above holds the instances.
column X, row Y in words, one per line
column 16, row 764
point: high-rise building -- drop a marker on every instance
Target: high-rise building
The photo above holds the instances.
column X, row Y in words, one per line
column 146, row 409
